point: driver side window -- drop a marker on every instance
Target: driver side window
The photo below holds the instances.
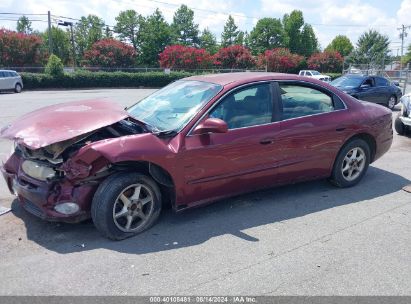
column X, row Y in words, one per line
column 368, row 82
column 247, row 107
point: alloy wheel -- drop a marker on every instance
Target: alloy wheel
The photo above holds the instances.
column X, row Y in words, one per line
column 353, row 164
column 133, row 207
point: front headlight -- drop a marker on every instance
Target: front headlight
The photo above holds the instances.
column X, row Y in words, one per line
column 37, row 170
column 7, row 148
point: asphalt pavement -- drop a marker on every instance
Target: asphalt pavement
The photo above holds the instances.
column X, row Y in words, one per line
column 304, row 239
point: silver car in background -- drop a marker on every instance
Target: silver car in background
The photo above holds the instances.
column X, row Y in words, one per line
column 10, row 80
column 402, row 123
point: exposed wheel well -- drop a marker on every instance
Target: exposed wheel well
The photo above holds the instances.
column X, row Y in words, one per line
column 159, row 174
column 369, row 139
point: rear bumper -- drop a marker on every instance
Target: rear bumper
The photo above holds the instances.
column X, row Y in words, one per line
column 39, row 198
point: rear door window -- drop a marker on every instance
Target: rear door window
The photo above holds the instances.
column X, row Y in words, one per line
column 298, row 101
column 381, row 82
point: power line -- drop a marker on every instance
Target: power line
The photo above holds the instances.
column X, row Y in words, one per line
column 205, row 10
column 31, row 20
column 257, row 18
column 19, row 14
column 75, row 19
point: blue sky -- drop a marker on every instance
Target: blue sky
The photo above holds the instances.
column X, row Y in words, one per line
column 328, row 17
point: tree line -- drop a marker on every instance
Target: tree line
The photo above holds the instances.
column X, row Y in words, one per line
column 144, row 39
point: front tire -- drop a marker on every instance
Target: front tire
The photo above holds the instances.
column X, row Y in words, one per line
column 351, row 164
column 17, row 88
column 125, row 204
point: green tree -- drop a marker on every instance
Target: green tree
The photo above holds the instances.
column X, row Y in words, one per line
column 372, row 49
column 86, row 32
column 61, row 43
column 309, row 42
column 229, row 36
column 54, row 66
column 108, row 33
column 128, row 27
column 240, row 40
column 341, row 44
column 407, row 56
column 155, row 36
column 208, row 41
column 299, row 36
column 184, row 30
column 267, row 34
column 24, row 25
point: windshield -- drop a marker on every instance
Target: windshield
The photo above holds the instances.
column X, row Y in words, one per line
column 315, row 73
column 347, row 82
column 172, row 107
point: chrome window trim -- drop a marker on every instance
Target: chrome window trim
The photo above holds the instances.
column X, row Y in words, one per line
column 189, row 133
column 316, row 85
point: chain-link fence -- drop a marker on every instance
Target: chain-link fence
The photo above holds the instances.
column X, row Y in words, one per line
column 130, row 70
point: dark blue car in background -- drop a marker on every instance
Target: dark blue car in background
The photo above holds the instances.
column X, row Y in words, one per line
column 375, row 89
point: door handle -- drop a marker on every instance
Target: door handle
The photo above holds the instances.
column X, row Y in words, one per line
column 266, row 141
column 340, row 128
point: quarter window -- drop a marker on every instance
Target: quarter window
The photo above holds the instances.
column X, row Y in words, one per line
column 298, row 101
column 247, row 107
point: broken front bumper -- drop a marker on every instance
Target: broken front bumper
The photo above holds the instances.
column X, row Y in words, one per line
column 40, row 198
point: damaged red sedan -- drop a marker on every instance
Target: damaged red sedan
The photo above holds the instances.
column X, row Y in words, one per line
column 195, row 141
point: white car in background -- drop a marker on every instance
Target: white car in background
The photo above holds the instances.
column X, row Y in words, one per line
column 315, row 74
column 10, row 80
column 402, row 123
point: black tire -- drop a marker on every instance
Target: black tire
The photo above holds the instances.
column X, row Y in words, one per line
column 337, row 177
column 17, row 88
column 108, row 195
column 399, row 126
column 392, row 101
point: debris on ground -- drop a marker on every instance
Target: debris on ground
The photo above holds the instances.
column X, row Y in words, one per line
column 407, row 188
column 4, row 210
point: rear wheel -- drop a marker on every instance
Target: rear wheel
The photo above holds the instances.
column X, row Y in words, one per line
column 392, row 102
column 399, row 126
column 17, row 88
column 125, row 204
column 351, row 163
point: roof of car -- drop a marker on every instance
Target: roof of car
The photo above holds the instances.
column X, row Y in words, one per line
column 227, row 78
column 7, row 71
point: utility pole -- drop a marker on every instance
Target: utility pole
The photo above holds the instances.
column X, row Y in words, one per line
column 49, row 31
column 72, row 45
column 70, row 24
column 403, row 34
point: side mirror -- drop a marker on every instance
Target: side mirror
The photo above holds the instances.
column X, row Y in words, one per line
column 365, row 86
column 396, row 83
column 211, row 125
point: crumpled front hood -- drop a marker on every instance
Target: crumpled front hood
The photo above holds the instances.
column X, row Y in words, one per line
column 63, row 121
